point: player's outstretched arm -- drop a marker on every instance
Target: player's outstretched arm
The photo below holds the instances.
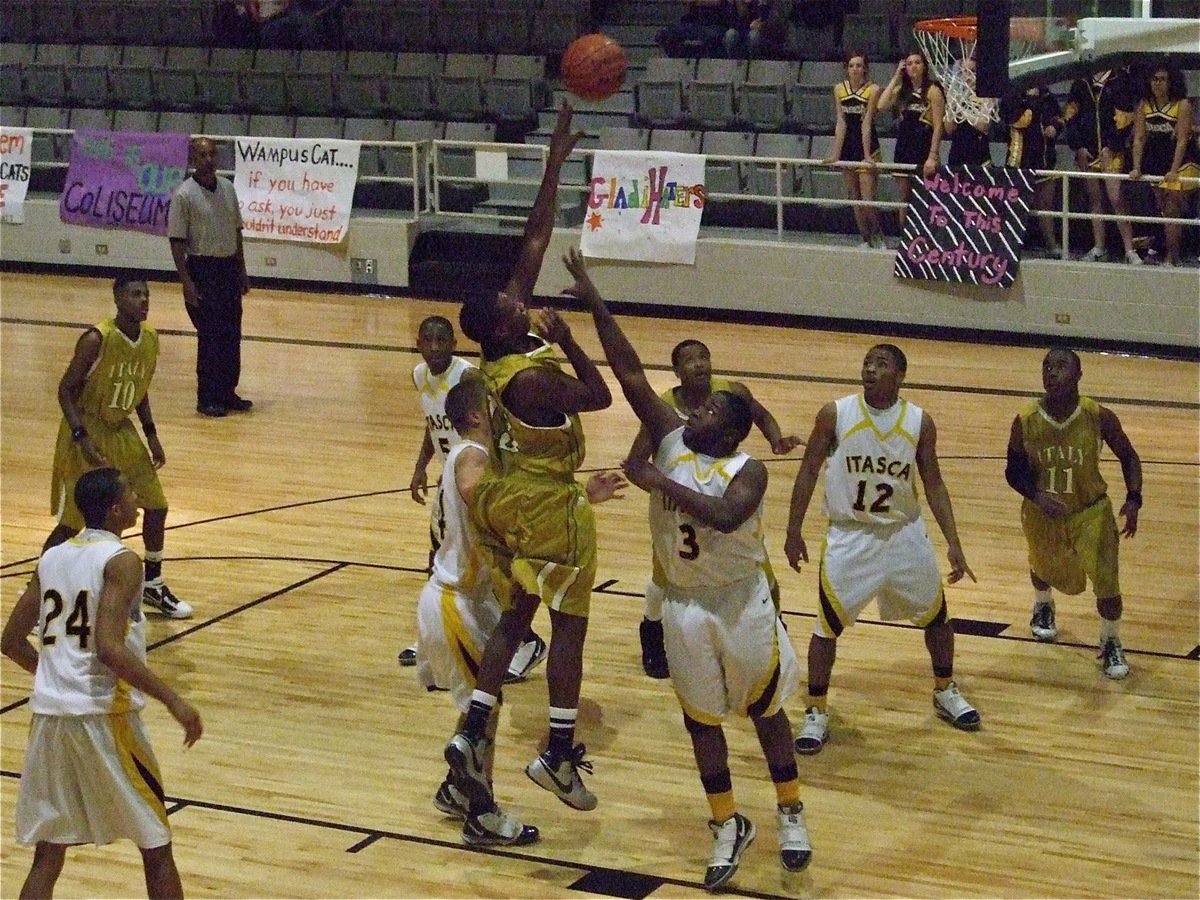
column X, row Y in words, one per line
column 939, row 499
column 765, row 422
column 540, row 225
column 652, row 410
column 1131, row 468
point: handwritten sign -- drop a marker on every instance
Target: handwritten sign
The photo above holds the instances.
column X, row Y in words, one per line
column 644, row 206
column 124, row 180
column 16, row 161
column 296, row 189
column 966, row 224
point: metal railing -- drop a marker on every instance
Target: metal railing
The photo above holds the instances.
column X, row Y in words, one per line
column 429, row 173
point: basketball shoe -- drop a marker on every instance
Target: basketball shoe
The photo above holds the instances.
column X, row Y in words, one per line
column 795, row 852
column 560, row 776
column 730, row 839
column 159, row 596
column 951, row 706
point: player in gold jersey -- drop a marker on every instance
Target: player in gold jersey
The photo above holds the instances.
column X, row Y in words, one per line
column 530, row 513
column 1053, row 462
column 107, row 379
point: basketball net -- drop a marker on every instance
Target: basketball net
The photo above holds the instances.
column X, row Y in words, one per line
column 947, row 44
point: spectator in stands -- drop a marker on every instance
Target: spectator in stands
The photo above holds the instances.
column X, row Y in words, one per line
column 1099, row 119
column 1034, row 121
column 854, row 140
column 701, row 31
column 295, row 24
column 1163, row 144
column 744, row 38
column 920, row 106
column 970, row 141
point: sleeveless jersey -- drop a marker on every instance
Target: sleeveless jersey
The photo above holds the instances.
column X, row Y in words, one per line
column 1159, row 150
column 697, row 557
column 671, row 395
column 70, row 679
column 1066, row 455
column 457, row 563
column 870, row 475
column 914, row 133
column 120, row 377
column 853, row 105
column 553, row 452
column 432, row 389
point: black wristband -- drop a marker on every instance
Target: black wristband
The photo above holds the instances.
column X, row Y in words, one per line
column 78, row 434
column 149, row 428
column 1134, row 495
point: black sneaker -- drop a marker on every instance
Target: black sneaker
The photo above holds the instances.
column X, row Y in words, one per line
column 465, row 757
column 452, row 801
column 1042, row 624
column 1112, row 656
column 496, row 828
column 408, row 656
column 654, row 654
column 212, row 410
column 730, row 839
column 238, row 404
column 159, row 597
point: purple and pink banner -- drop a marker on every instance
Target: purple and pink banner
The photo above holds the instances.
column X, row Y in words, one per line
column 122, row 179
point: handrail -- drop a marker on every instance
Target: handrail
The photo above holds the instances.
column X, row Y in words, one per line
column 426, row 177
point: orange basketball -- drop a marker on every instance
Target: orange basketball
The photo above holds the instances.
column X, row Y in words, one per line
column 593, row 67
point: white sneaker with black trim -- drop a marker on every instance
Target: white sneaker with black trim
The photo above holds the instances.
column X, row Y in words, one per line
column 730, row 840
column 496, row 828
column 1112, row 656
column 953, row 707
column 159, row 597
column 526, row 659
column 1096, row 254
column 560, row 776
column 815, row 732
column 795, row 852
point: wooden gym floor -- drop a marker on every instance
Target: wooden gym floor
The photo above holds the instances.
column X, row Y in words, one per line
column 292, row 533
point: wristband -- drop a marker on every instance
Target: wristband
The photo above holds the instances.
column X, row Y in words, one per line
column 78, row 434
column 1134, row 495
column 149, row 428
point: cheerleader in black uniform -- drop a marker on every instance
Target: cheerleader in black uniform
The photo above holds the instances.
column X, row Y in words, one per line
column 1163, row 145
column 1034, row 121
column 854, row 140
column 920, row 106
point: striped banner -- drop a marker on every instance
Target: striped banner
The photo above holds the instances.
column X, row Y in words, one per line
column 966, row 224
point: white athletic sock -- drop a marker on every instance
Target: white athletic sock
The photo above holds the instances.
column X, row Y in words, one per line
column 654, row 602
column 1110, row 630
column 1043, row 598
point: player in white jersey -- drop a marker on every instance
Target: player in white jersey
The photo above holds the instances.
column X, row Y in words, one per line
column 90, row 775
column 727, row 649
column 873, row 446
column 433, row 377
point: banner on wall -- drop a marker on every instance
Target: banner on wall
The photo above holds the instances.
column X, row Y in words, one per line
column 644, row 206
column 123, row 179
column 295, row 189
column 16, row 162
column 966, row 224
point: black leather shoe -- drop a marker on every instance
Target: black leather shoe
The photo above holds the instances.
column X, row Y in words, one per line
column 215, row 410
column 238, row 404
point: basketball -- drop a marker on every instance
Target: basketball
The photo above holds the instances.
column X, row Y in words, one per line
column 593, row 67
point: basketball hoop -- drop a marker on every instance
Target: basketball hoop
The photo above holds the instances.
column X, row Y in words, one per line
column 947, row 43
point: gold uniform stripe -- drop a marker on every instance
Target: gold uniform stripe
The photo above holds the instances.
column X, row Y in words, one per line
column 142, row 772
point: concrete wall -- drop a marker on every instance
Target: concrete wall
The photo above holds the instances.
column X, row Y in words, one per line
column 1135, row 305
